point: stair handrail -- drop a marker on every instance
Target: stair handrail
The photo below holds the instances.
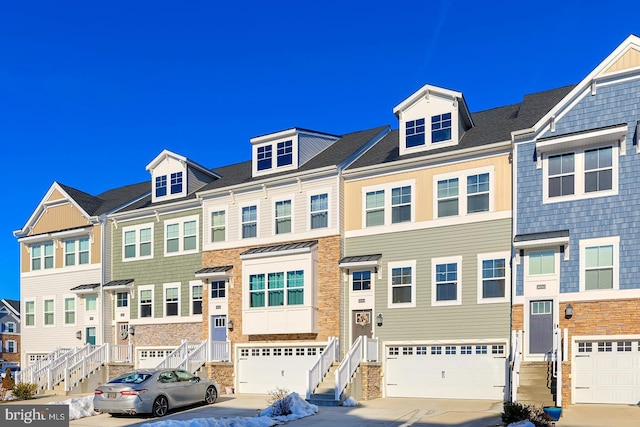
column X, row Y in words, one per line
column 516, row 357
column 557, row 361
column 220, row 351
column 121, row 352
column 177, row 356
column 29, row 373
column 81, row 369
column 322, row 365
column 196, row 357
column 349, row 365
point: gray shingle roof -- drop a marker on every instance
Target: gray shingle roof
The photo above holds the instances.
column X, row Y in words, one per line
column 108, row 200
column 278, row 248
column 491, row 126
column 15, row 304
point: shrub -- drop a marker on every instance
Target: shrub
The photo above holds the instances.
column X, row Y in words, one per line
column 7, row 381
column 24, row 391
column 279, row 401
column 516, row 411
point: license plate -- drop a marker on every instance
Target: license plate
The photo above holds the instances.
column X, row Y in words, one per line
column 111, row 395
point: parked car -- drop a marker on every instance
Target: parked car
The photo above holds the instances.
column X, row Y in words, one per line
column 153, row 391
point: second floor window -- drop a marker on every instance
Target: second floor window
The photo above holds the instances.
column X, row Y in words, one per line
column 361, row 280
column 218, row 289
column 218, row 226
column 122, row 299
column 374, row 208
column 171, row 302
column 283, row 217
column 447, row 197
column 249, row 221
column 137, row 243
column 91, row 303
column 196, row 299
column 69, row 311
column 319, row 211
column 401, row 204
column 182, row 237
column 48, row 312
column 561, row 175
column 30, row 313
column 146, row 302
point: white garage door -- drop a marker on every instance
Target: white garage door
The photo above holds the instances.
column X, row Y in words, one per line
column 606, row 371
column 263, row 369
column 463, row 371
column 150, row 357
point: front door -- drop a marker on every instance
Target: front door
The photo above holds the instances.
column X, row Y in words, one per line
column 123, row 334
column 219, row 328
column 90, row 334
column 541, row 327
column 361, row 324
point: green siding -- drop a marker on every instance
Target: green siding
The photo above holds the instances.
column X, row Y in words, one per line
column 425, row 322
column 160, row 269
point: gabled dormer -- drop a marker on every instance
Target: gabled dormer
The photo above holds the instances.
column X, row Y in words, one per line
column 174, row 176
column 432, row 118
column 287, row 150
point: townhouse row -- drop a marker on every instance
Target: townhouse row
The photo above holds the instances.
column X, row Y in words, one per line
column 454, row 239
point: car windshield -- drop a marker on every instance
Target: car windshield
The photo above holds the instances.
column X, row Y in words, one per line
column 131, row 378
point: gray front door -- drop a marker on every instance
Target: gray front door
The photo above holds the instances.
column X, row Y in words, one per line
column 540, row 327
column 361, row 324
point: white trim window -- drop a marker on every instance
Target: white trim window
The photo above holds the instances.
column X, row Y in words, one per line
column 218, row 226
column 218, row 288
column 319, row 211
column 171, row 293
column 137, row 242
column 276, row 289
column 70, row 310
column 76, row 252
column 283, row 222
column 388, row 204
column 48, row 312
column 196, row 298
column 361, row 280
column 402, row 284
column 10, row 327
column 42, row 256
column 541, row 262
column 249, row 221
column 29, row 313
column 599, row 264
column 581, row 174
column 11, row 346
column 122, row 299
column 181, row 236
column 145, row 302
column 90, row 303
column 446, row 281
column 493, row 277
column 463, row 193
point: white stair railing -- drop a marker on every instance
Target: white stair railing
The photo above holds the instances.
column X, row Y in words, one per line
column 37, row 369
column 220, row 351
column 80, row 369
column 121, row 353
column 349, row 365
column 56, row 371
column 173, row 359
column 322, row 365
column 516, row 359
column 197, row 357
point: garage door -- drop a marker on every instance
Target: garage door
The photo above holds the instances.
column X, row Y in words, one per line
column 150, row 357
column 263, row 369
column 606, row 371
column 463, row 371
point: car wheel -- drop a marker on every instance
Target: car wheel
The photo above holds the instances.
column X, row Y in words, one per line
column 211, row 395
column 160, row 406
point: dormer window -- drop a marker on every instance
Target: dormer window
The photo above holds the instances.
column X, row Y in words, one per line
column 440, row 128
column 264, row 157
column 176, row 182
column 415, row 132
column 161, row 186
column 285, row 153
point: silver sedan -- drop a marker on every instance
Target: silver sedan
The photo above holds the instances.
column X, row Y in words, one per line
column 153, row 391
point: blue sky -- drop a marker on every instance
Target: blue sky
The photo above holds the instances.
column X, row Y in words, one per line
column 118, row 82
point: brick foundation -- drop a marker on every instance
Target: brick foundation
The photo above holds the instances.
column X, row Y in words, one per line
column 371, row 380
column 223, row 373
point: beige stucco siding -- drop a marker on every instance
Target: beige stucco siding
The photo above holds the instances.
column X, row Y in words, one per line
column 424, row 187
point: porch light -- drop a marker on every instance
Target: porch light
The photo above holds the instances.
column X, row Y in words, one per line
column 379, row 319
column 568, row 311
column 230, row 325
column 132, row 330
column 79, row 335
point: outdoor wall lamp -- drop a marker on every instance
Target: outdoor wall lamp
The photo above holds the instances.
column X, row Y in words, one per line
column 132, row 330
column 568, row 311
column 379, row 319
column 79, row 335
column 230, row 325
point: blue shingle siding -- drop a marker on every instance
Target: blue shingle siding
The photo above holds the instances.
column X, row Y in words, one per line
column 617, row 215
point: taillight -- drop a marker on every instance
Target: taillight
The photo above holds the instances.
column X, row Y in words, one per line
column 133, row 392
column 98, row 391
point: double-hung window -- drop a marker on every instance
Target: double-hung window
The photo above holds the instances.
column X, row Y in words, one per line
column 562, row 175
column 401, row 204
column 441, row 127
column 265, row 154
column 275, row 284
column 48, row 312
column 402, row 284
column 599, row 263
column 256, row 290
column 218, row 226
column 69, row 311
column 181, row 236
column 146, row 302
column 295, row 287
column 196, row 299
column 493, row 277
column 285, row 153
column 90, row 303
column 176, row 183
column 414, row 130
column 478, row 193
column 446, row 276
column 30, row 313
column 374, row 208
column 137, row 242
column 282, row 288
column 319, row 211
column 10, row 327
column 249, row 221
column 161, row 186
column 42, row 256
column 171, row 301
column 11, row 346
column 447, row 197
column 76, row 252
column 466, row 192
column 283, row 217
column 598, row 170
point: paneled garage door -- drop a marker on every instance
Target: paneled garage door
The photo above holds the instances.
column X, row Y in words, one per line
column 150, row 357
column 263, row 369
column 606, row 371
column 463, row 371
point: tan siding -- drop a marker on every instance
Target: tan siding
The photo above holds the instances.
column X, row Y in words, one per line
column 424, row 188
column 630, row 59
column 55, row 195
column 59, row 218
column 467, row 321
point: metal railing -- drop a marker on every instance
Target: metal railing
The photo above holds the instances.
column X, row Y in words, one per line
column 360, row 351
column 220, row 351
column 516, row 358
column 557, row 358
column 322, row 366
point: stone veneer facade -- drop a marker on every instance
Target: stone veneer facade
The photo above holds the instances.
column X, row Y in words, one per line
column 169, row 334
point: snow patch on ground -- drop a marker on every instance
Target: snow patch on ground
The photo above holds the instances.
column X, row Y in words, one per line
column 79, row 407
column 350, row 401
column 300, row 408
